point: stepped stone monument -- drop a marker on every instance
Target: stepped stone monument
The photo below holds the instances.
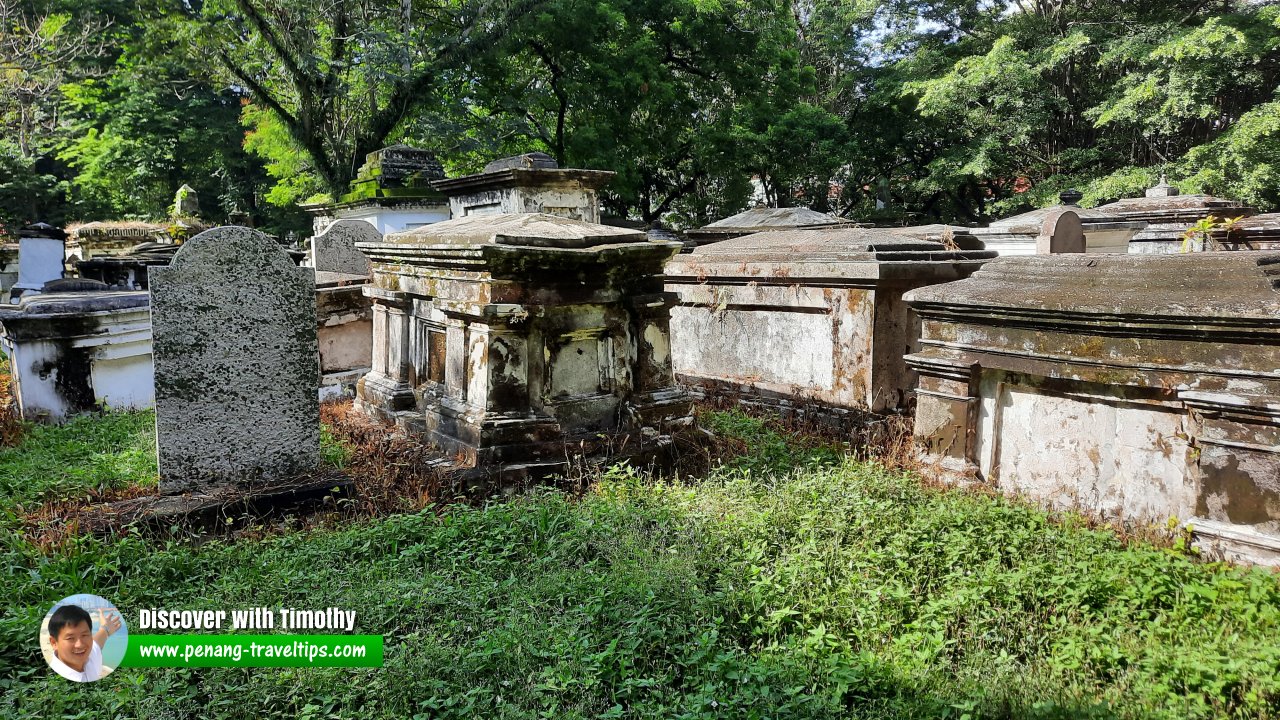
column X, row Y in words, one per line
column 515, row 341
column 529, row 183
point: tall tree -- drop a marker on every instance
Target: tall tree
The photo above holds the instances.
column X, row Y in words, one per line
column 39, row 51
column 677, row 96
column 341, row 76
column 1059, row 93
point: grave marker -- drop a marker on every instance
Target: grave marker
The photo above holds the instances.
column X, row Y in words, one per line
column 234, row 326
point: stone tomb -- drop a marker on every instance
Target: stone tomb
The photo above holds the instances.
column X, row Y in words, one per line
column 514, row 341
column 345, row 313
column 1103, row 232
column 128, row 270
column 234, row 327
column 1260, row 232
column 71, row 352
column 797, row 318
column 1169, row 214
column 8, row 269
column 106, row 239
column 41, row 258
column 391, row 192
column 764, row 219
column 530, row 183
column 1135, row 386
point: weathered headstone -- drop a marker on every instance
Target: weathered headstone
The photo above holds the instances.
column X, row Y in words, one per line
column 41, row 254
column 234, row 325
column 334, row 250
column 1061, row 233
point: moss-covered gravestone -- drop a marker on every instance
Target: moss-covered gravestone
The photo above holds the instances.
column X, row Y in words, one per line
column 334, row 250
column 234, row 327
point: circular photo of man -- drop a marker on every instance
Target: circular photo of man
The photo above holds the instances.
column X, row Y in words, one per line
column 83, row 638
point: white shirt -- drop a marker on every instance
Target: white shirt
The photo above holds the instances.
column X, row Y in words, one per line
column 92, row 667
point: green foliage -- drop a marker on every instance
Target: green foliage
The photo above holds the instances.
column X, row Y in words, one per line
column 792, row 582
column 332, row 451
column 135, row 136
column 295, row 178
column 681, row 98
column 28, row 193
column 1081, row 92
column 1242, row 162
column 91, row 452
column 910, row 110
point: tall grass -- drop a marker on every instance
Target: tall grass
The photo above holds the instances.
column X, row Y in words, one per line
column 792, row 582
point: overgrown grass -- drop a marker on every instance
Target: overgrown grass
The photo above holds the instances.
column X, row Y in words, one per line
column 91, row 453
column 792, row 582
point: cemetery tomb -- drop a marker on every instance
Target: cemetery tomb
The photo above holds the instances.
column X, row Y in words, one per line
column 764, row 219
column 128, row 271
column 529, row 183
column 1169, row 214
column 107, row 239
column 8, row 269
column 344, row 312
column 1259, row 232
column 807, row 321
column 392, row 192
column 1141, row 387
column 512, row 341
column 72, row 352
column 1104, row 232
column 41, row 253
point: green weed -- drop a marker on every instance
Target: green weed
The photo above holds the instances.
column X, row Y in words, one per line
column 791, row 582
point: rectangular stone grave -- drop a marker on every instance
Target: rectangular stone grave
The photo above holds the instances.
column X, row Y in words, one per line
column 236, row 364
column 808, row 322
column 74, row 351
column 1140, row 387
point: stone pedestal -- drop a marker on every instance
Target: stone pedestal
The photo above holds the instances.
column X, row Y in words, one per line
column 530, row 183
column 41, row 255
column 71, row 352
column 1139, row 387
column 516, row 341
